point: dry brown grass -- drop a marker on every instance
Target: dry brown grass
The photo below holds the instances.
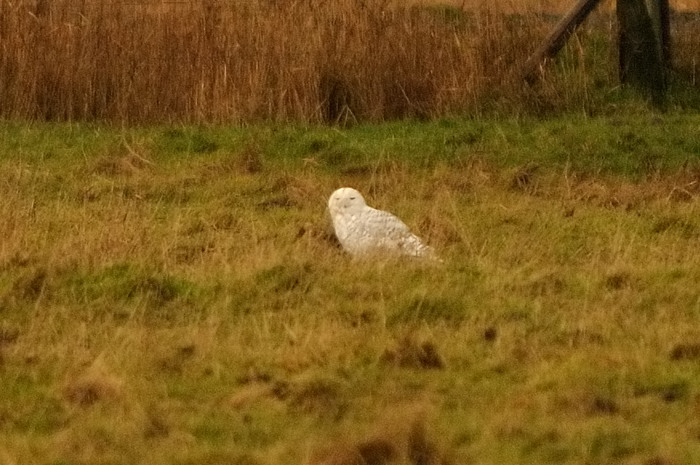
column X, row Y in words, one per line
column 310, row 60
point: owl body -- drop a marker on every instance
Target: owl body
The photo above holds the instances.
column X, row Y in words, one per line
column 363, row 230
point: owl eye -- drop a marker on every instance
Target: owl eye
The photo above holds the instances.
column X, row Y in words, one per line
column 352, row 198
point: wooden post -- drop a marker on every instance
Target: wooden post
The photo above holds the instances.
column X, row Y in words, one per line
column 41, row 9
column 643, row 45
column 659, row 14
column 558, row 37
column 665, row 32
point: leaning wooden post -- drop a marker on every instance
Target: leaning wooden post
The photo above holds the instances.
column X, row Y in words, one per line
column 558, row 37
column 643, row 45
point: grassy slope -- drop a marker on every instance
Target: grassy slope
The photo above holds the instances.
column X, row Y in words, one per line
column 173, row 295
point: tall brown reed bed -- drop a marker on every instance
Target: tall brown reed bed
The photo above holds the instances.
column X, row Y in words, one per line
column 236, row 61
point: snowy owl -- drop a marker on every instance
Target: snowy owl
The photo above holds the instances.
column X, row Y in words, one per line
column 363, row 230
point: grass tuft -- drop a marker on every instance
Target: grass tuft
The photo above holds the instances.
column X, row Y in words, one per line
column 409, row 353
column 429, row 309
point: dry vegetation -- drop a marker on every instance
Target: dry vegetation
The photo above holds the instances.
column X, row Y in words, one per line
column 309, row 60
column 173, row 295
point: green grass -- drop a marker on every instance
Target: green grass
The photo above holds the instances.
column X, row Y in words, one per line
column 173, row 294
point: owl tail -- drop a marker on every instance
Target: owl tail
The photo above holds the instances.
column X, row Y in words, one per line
column 414, row 247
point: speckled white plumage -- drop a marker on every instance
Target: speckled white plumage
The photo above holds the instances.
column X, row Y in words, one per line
column 363, row 230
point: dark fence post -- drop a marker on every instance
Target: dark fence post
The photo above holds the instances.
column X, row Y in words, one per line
column 41, row 9
column 643, row 45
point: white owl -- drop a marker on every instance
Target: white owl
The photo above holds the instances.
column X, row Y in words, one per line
column 363, row 230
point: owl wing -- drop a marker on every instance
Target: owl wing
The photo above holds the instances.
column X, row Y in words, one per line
column 392, row 234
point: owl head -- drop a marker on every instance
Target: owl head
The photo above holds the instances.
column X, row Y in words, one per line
column 345, row 199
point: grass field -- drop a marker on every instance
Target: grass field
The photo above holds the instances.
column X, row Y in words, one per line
column 173, row 295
